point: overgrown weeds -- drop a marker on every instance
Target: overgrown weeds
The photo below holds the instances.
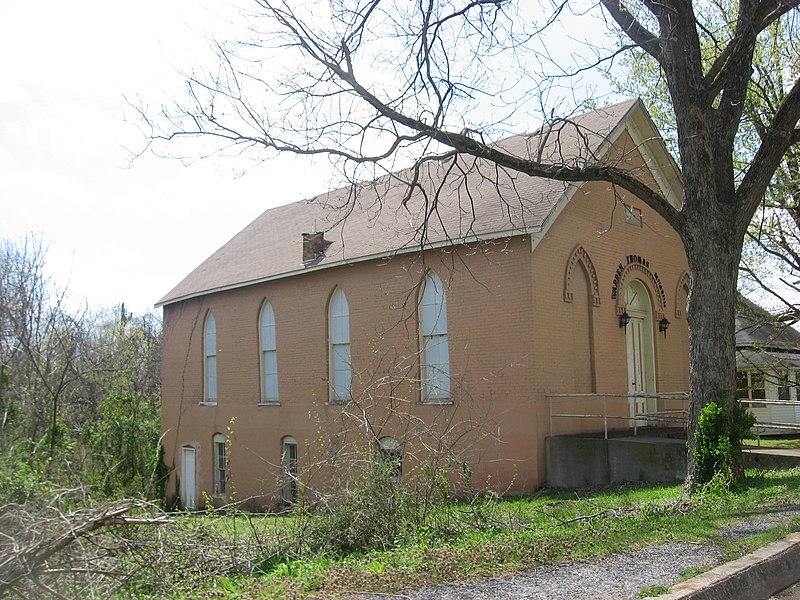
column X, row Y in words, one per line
column 374, row 540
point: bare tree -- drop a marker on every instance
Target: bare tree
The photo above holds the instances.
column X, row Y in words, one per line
column 373, row 82
column 41, row 344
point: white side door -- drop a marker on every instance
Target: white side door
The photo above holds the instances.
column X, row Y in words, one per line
column 188, row 479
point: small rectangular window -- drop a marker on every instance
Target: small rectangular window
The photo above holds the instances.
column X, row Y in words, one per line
column 797, row 385
column 758, row 389
column 270, row 360
column 742, row 386
column 784, row 387
column 633, row 216
column 750, row 386
column 220, row 466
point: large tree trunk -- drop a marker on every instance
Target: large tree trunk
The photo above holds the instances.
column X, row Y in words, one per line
column 713, row 250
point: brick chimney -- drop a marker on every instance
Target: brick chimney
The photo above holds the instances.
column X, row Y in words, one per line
column 313, row 245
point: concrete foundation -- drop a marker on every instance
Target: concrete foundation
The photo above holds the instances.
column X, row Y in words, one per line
column 646, row 459
column 574, row 461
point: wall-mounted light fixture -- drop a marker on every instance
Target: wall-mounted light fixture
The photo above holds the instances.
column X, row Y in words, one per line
column 663, row 325
column 624, row 319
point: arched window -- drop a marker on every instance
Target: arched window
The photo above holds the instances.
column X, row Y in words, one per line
column 391, row 453
column 220, row 464
column 210, row 360
column 269, row 356
column 434, row 352
column 289, row 469
column 339, row 347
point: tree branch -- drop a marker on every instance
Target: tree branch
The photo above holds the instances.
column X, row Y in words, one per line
column 779, row 136
column 634, row 29
column 735, row 55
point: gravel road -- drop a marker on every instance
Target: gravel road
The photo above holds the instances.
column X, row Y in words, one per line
column 617, row 577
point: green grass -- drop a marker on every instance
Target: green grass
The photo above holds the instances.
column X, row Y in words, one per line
column 653, row 590
column 790, row 443
column 501, row 536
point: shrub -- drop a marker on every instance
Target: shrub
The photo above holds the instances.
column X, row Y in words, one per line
column 718, row 443
column 375, row 512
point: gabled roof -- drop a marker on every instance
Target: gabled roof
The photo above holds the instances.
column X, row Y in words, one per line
column 757, row 329
column 762, row 342
column 474, row 201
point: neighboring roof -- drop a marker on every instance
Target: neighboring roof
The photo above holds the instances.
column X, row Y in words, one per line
column 757, row 328
column 370, row 220
column 766, row 361
column 762, row 342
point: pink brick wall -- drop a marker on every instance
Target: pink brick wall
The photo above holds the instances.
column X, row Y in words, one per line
column 512, row 339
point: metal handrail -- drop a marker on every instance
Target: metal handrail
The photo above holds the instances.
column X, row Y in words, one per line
column 675, row 415
column 761, row 426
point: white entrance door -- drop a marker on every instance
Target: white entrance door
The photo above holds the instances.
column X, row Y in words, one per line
column 639, row 342
column 188, row 483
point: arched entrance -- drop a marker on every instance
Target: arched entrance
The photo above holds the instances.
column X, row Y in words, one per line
column 640, row 350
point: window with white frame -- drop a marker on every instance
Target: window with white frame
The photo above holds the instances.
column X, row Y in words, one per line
column 784, row 386
column 341, row 373
column 289, row 469
column 210, row 360
column 797, row 386
column 750, row 385
column 269, row 356
column 434, row 352
column 220, row 465
column 391, row 455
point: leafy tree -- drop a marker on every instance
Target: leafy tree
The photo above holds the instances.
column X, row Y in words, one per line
column 771, row 258
column 372, row 82
column 79, row 393
column 120, row 436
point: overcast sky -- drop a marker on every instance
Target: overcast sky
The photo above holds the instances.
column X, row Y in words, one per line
column 117, row 232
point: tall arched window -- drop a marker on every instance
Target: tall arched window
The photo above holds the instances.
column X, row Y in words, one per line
column 210, row 360
column 339, row 347
column 269, row 356
column 434, row 352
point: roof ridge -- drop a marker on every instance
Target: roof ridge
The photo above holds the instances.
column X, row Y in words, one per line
column 383, row 216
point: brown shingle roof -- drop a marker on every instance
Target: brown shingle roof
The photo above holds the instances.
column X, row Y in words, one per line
column 473, row 200
column 758, row 330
